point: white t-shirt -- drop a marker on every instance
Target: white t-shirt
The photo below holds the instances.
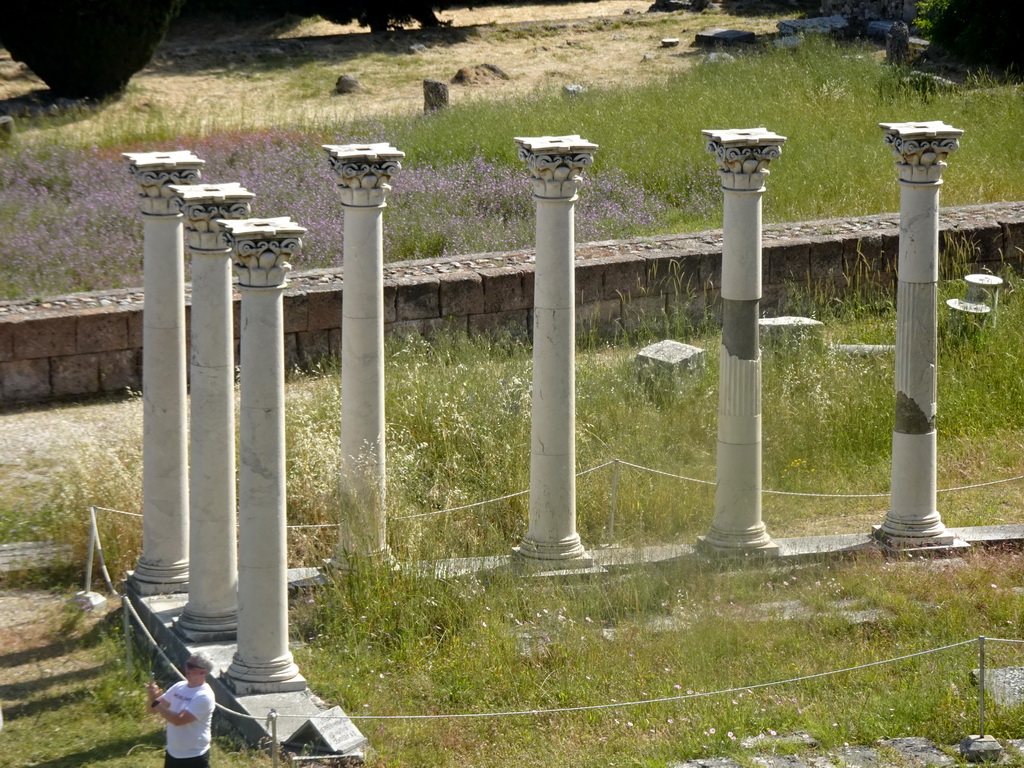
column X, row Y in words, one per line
column 191, row 739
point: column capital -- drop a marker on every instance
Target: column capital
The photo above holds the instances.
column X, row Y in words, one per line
column 203, row 205
column 743, row 155
column 260, row 249
column 155, row 172
column 364, row 172
column 555, row 163
column 921, row 149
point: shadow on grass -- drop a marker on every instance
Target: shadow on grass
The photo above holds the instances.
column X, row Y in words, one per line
column 15, row 691
column 107, row 751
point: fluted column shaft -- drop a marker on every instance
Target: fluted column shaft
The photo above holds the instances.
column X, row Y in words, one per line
column 212, row 609
column 920, row 150
column 742, row 157
column 263, row 662
column 163, row 565
column 555, row 165
column 363, row 173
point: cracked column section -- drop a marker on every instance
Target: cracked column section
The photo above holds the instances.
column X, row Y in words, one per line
column 920, row 151
column 363, row 173
column 742, row 157
column 211, row 613
column 163, row 564
column 555, row 164
column 262, row 662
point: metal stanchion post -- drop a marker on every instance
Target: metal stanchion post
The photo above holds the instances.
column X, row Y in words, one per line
column 615, row 500
column 981, row 685
column 87, row 599
column 272, row 719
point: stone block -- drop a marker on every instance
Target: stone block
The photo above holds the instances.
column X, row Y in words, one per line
column 334, row 341
column 323, row 310
column 589, row 277
column 515, row 321
column 25, row 380
column 673, row 273
column 817, row 24
column 461, row 294
column 711, row 269
column 291, row 351
column 980, row 749
column 1004, row 685
column 600, row 315
column 624, row 275
column 858, row 757
column 135, row 328
column 427, row 326
column 390, row 302
column 972, row 242
column 826, row 258
column 641, row 311
column 296, row 312
column 775, row 330
column 668, row 360
column 787, row 262
column 6, row 341
column 504, row 290
column 101, row 331
column 45, row 337
column 236, row 319
column 312, row 346
column 120, row 369
column 331, row 731
column 1013, row 241
column 919, row 751
column 75, row 375
column 714, row 38
column 417, row 298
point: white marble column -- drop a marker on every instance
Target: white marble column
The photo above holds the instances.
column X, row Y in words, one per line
column 163, row 564
column 363, row 173
column 920, row 150
column 555, row 164
column 212, row 609
column 262, row 662
column 742, row 157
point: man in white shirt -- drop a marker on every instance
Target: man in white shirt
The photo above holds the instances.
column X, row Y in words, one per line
column 188, row 709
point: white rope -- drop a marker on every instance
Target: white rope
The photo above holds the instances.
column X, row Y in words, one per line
column 118, row 512
column 666, row 474
column 1003, row 640
column 662, row 699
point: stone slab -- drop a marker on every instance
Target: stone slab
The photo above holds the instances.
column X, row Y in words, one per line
column 919, row 751
column 714, row 38
column 818, row 24
column 858, row 757
column 1004, row 685
column 669, row 358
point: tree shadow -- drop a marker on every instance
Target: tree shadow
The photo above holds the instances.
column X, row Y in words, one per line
column 13, row 691
column 108, row 750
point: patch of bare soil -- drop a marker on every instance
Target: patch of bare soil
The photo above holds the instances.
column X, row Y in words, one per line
column 270, row 71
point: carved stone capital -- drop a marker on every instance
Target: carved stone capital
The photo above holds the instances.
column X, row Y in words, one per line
column 743, row 156
column 261, row 247
column 155, row 172
column 555, row 163
column 921, row 149
column 203, row 204
column 364, row 171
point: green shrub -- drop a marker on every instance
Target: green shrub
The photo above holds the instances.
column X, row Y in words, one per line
column 85, row 48
column 981, row 31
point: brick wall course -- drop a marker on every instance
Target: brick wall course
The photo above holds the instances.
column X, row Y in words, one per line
column 460, row 294
column 101, row 330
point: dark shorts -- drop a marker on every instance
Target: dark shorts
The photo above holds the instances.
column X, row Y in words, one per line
column 203, row 761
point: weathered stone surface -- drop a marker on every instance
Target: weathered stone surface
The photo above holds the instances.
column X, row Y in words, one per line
column 461, row 294
column 48, row 337
column 25, row 380
column 435, row 95
column 296, row 312
column 75, row 375
column 417, row 299
column 312, row 345
column 504, row 290
column 776, row 329
column 707, row 762
column 347, row 84
column 6, row 341
column 516, row 322
column 6, row 129
column 897, row 44
column 481, row 73
column 323, row 310
column 789, row 740
column 714, row 38
column 778, row 761
column 858, row 757
column 919, row 751
column 1005, row 685
column 120, row 370
column 669, row 359
column 99, row 330
column 980, row 749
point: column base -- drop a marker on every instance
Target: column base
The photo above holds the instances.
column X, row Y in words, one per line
column 904, row 540
column 248, row 678
column 147, row 581
column 740, row 543
column 568, row 553
column 207, row 629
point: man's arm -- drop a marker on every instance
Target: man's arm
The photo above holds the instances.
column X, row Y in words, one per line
column 174, row 718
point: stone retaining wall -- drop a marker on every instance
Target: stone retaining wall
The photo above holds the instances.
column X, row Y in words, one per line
column 84, row 344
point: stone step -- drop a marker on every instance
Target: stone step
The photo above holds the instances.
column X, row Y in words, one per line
column 25, row 555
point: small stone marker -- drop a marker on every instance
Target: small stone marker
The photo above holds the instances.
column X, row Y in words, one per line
column 777, row 329
column 435, row 95
column 331, row 731
column 417, row 48
column 897, row 44
column 669, row 359
column 347, row 84
column 980, row 749
column 572, row 91
column 713, row 38
column 669, row 42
